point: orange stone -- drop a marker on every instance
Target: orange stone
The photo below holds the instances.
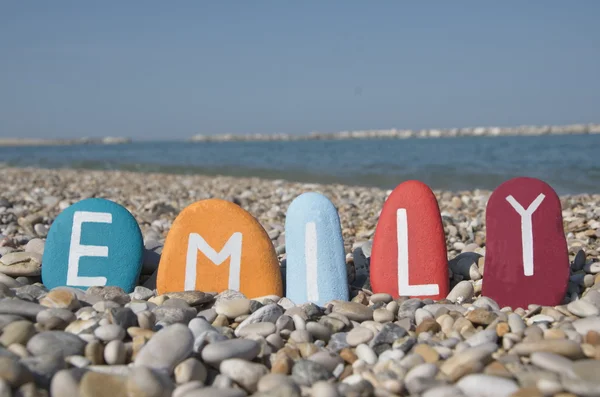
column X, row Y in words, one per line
column 216, row 245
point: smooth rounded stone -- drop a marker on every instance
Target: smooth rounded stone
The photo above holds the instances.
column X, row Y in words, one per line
column 582, row 308
column 300, row 336
column 382, row 315
column 486, row 303
column 269, row 313
column 9, row 281
column 318, row 331
column 181, row 390
column 420, row 315
column 123, row 317
column 17, row 332
column 353, row 311
column 552, row 362
column 462, row 292
column 443, row 391
column 43, row 367
column 96, row 384
column 359, row 335
column 549, row 387
column 566, row 348
column 334, row 324
column 261, row 329
column 78, row 361
column 277, row 382
column 6, row 319
column 482, row 337
column 199, row 325
column 115, row 352
column 299, row 323
column 516, row 323
column 433, row 308
column 21, row 308
column 580, row 387
column 104, row 305
column 587, row 370
column 584, row 325
column 172, row 315
column 190, row 370
column 167, row 348
column 66, row 382
column 208, row 314
column 540, row 318
column 216, row 352
column 215, row 392
column 13, row 372
column 233, row 308
column 365, row 353
column 388, row 335
column 60, row 299
column 146, row 319
column 327, row 359
column 324, row 389
column 306, row 372
column 381, row 297
column 479, row 385
column 229, row 294
column 35, row 245
column 143, row 382
column 424, row 371
column 109, row 332
column 192, row 298
column 56, row 342
column 142, row 293
column 21, row 264
column 46, row 316
column 467, row 361
column 429, row 354
column 244, row 373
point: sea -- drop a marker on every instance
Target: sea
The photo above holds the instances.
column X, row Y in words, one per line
column 569, row 163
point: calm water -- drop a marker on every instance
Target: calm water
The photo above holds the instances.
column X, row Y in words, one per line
column 569, row 163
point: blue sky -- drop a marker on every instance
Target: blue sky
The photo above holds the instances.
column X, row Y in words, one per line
column 156, row 69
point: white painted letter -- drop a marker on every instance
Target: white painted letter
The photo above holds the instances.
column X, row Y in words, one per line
column 310, row 254
column 232, row 250
column 526, row 229
column 404, row 287
column 77, row 250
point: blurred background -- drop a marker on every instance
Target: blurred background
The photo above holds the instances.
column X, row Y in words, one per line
column 460, row 95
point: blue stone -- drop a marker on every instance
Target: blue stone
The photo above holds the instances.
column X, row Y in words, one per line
column 316, row 263
column 94, row 242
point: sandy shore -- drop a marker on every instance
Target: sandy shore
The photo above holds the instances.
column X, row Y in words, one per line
column 71, row 342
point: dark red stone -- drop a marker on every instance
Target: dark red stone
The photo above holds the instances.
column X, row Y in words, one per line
column 427, row 257
column 504, row 276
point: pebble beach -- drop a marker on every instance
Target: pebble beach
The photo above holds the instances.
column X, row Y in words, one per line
column 105, row 342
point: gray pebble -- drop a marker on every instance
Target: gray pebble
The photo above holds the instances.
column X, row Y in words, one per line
column 167, row 348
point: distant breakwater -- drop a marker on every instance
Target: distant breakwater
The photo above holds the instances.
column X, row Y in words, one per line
column 573, row 129
column 63, row 142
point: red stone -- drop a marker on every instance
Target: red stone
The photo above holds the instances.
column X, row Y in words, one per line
column 507, row 259
column 426, row 256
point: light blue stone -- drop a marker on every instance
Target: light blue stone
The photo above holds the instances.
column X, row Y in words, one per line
column 110, row 247
column 314, row 275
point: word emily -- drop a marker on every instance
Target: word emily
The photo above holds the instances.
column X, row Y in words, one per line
column 215, row 245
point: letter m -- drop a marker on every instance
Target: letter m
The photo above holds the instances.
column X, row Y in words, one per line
column 232, row 249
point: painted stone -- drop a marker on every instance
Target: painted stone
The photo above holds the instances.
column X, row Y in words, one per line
column 94, row 242
column 409, row 255
column 316, row 262
column 216, row 245
column 526, row 256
